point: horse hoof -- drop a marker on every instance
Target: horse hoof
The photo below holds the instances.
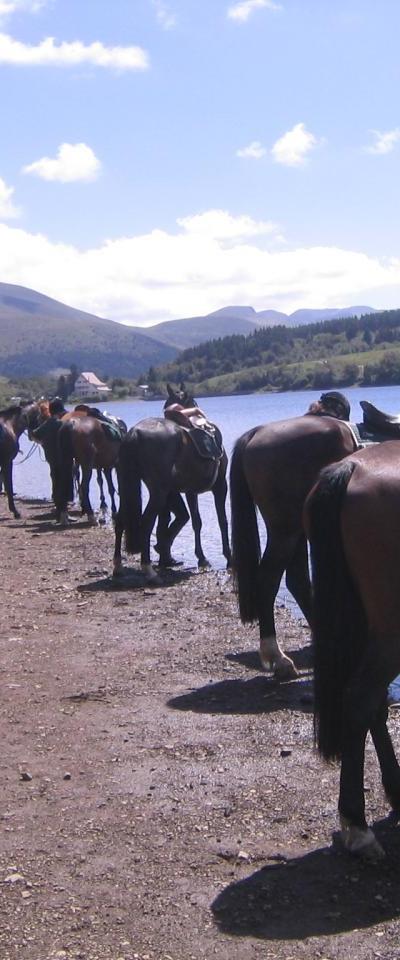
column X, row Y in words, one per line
column 285, row 671
column 17, row 514
column 118, row 572
column 361, row 843
column 203, row 564
column 92, row 520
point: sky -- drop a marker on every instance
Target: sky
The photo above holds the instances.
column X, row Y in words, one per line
column 162, row 159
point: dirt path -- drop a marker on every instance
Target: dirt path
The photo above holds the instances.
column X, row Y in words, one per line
column 160, row 798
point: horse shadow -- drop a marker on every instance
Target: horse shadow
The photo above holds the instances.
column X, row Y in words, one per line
column 133, row 579
column 322, row 893
column 261, row 694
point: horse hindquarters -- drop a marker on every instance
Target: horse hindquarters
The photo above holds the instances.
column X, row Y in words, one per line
column 245, row 537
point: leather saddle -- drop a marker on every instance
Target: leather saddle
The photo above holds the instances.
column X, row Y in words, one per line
column 378, row 424
column 201, row 432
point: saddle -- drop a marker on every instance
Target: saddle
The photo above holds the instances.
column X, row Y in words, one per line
column 110, row 424
column 202, row 433
column 377, row 422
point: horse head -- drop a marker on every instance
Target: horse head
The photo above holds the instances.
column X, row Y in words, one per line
column 180, row 396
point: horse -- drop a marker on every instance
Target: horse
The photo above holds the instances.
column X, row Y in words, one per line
column 273, row 467
column 89, row 443
column 13, row 421
column 160, row 452
column 52, row 415
column 352, row 519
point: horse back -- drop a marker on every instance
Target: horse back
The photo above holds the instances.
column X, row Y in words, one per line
column 282, row 460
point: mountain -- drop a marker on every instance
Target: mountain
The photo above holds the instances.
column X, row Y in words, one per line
column 191, row 331
column 38, row 335
column 317, row 316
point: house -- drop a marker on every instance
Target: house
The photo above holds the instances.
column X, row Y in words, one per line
column 88, row 385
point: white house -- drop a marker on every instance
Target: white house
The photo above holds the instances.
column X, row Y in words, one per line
column 88, row 385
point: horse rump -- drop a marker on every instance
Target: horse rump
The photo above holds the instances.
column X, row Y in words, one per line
column 339, row 622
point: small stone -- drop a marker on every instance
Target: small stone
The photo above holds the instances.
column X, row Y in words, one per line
column 67, row 776
column 285, row 752
column 26, row 776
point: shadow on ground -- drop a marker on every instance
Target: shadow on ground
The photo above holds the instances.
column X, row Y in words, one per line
column 262, row 694
column 323, row 893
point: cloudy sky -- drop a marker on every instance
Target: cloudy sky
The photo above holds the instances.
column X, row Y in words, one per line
column 164, row 158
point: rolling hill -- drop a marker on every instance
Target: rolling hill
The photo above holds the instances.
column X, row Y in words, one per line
column 38, row 335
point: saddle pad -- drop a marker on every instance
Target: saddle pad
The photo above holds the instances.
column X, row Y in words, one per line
column 206, row 443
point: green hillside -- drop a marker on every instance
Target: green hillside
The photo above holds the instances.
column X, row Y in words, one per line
column 341, row 352
column 38, row 335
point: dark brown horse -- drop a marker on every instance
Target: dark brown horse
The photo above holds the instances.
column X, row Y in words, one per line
column 89, row 443
column 160, row 452
column 273, row 468
column 352, row 518
column 13, row 421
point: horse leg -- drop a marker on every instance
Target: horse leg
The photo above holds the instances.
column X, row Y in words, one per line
column 7, row 473
column 85, row 500
column 111, row 489
column 99, row 475
column 117, row 559
column 388, row 763
column 193, row 504
column 219, row 491
column 155, row 505
column 269, row 576
column 298, row 578
column 166, row 531
column 362, row 710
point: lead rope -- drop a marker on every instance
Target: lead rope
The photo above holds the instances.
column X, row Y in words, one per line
column 28, row 455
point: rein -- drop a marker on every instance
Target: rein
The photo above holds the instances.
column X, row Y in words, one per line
column 28, row 455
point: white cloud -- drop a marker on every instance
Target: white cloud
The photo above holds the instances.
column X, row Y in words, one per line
column 49, row 53
column 255, row 150
column 74, row 161
column 384, row 142
column 7, row 209
column 160, row 276
column 164, row 15
column 8, row 7
column 221, row 225
column 292, row 148
column 245, row 8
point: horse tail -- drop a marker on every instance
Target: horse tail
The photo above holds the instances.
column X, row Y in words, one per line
column 130, row 492
column 339, row 620
column 246, row 551
column 64, row 467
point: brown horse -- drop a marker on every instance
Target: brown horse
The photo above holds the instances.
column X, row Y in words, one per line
column 352, row 518
column 273, row 468
column 51, row 416
column 160, row 452
column 13, row 421
column 90, row 443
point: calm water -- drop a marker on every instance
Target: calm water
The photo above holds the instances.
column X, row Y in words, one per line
column 234, row 415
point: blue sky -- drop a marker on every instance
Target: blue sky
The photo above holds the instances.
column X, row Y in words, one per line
column 164, row 158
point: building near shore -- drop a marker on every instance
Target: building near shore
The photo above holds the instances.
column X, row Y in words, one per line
column 89, row 385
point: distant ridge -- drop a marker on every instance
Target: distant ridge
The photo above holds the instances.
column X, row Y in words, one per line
column 191, row 331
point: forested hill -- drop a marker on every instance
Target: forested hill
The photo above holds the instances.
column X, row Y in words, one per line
column 342, row 352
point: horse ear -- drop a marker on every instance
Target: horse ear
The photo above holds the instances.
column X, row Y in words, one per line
column 170, row 391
